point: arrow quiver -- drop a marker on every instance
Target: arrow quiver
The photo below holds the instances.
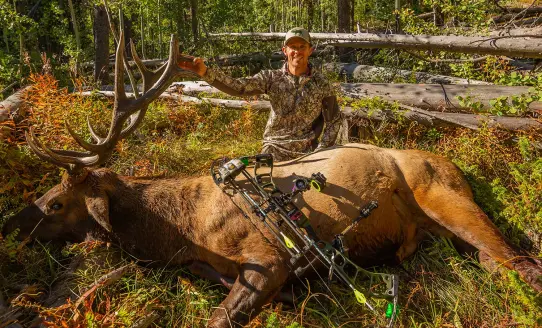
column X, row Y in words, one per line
column 292, row 229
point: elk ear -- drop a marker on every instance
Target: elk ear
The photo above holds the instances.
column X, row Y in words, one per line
column 98, row 208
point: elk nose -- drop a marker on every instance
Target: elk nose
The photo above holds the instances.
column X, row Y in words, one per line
column 22, row 221
column 8, row 228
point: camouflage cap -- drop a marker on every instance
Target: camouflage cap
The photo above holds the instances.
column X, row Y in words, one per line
column 297, row 32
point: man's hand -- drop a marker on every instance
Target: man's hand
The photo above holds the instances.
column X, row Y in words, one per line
column 193, row 64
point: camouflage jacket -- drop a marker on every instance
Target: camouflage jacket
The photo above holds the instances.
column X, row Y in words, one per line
column 303, row 107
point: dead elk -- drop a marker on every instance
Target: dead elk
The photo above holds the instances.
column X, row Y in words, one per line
column 416, row 191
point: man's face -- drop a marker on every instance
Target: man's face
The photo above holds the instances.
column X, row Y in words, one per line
column 297, row 51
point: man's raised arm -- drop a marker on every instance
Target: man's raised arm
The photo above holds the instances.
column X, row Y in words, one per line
column 241, row 87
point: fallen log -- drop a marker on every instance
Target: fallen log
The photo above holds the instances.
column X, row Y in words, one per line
column 435, row 96
column 372, row 73
column 227, row 103
column 11, row 104
column 509, row 46
column 427, row 118
column 517, row 31
column 517, row 13
column 446, row 120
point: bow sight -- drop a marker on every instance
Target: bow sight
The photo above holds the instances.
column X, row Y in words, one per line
column 294, row 232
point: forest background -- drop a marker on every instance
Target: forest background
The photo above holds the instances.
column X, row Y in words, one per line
column 62, row 47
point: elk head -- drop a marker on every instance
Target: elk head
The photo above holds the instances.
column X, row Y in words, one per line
column 80, row 203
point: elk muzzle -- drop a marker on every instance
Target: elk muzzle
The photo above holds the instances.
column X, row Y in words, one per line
column 26, row 221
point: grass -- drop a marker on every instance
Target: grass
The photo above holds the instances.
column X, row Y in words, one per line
column 439, row 288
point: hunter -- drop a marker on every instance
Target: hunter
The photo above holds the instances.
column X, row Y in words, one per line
column 305, row 116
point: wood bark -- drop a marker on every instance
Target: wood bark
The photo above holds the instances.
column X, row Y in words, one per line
column 127, row 22
column 310, row 14
column 371, row 73
column 442, row 120
column 343, row 16
column 426, row 118
column 75, row 26
column 504, row 46
column 194, row 13
column 11, row 104
column 101, row 45
column 517, row 31
column 434, row 96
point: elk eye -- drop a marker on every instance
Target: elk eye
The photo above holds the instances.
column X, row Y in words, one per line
column 56, row 206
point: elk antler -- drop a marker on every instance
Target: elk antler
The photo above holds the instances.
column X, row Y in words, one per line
column 131, row 110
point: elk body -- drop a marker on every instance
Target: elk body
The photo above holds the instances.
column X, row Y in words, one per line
column 191, row 221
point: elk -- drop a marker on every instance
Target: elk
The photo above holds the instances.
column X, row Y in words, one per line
column 192, row 222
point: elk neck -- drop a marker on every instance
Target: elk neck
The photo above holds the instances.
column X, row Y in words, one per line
column 151, row 218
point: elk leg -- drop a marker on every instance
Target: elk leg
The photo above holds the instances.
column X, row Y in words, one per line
column 258, row 282
column 460, row 215
column 206, row 271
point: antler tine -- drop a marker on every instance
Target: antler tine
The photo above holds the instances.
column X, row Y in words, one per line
column 171, row 71
column 67, row 156
column 94, row 148
column 149, row 77
column 123, row 109
column 34, row 144
column 93, row 133
column 120, row 94
column 163, row 77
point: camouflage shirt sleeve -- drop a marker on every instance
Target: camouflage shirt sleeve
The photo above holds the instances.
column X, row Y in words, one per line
column 332, row 119
column 241, row 87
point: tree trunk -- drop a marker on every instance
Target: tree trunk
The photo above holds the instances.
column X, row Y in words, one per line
column 386, row 74
column 343, row 16
column 75, row 26
column 127, row 22
column 142, row 33
column 310, row 14
column 159, row 25
column 101, row 45
column 194, row 12
column 435, row 96
column 6, row 40
column 442, row 120
column 513, row 47
column 517, row 31
column 344, row 25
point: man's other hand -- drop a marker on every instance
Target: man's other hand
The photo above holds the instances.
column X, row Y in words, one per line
column 193, row 64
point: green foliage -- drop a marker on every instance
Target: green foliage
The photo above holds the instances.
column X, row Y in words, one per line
column 11, row 245
column 272, row 321
column 523, row 205
column 469, row 101
column 527, row 305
